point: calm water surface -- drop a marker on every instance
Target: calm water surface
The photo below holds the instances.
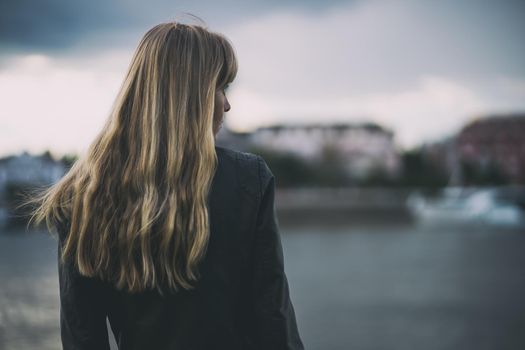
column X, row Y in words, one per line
column 437, row 286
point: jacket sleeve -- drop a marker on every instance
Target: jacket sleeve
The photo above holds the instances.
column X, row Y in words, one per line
column 82, row 308
column 275, row 321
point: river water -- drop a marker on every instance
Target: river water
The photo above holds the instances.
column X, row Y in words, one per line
column 419, row 286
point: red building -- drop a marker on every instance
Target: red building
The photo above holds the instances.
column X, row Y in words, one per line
column 496, row 141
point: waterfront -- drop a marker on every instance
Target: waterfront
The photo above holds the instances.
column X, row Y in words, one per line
column 431, row 285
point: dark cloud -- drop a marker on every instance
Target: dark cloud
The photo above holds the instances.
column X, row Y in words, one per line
column 44, row 25
column 52, row 24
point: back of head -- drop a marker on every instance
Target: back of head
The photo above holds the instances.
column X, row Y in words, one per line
column 136, row 203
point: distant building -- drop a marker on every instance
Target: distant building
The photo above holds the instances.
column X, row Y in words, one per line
column 364, row 148
column 22, row 170
column 28, row 169
column 495, row 141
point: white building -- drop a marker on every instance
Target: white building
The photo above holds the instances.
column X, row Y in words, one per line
column 28, row 169
column 365, row 148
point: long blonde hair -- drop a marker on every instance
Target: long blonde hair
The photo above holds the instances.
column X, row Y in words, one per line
column 137, row 203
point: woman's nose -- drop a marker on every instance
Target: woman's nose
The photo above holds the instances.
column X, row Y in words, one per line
column 227, row 106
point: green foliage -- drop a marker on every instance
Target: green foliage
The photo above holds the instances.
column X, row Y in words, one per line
column 293, row 171
column 419, row 170
column 482, row 175
column 330, row 170
column 289, row 169
column 378, row 177
column 69, row 159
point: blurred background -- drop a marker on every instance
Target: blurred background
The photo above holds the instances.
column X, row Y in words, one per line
column 395, row 129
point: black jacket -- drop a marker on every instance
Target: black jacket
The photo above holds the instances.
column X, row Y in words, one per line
column 241, row 301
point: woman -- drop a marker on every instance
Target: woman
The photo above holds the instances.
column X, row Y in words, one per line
column 172, row 238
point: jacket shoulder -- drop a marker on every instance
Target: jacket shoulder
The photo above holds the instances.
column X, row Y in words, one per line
column 235, row 154
column 254, row 172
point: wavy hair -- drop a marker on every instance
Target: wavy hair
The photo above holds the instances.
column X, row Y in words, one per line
column 136, row 205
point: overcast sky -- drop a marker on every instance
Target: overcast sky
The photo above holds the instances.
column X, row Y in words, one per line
column 421, row 68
